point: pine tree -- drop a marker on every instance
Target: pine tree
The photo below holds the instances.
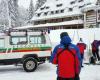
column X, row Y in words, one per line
column 23, row 17
column 31, row 10
column 13, row 12
column 3, row 13
column 39, row 3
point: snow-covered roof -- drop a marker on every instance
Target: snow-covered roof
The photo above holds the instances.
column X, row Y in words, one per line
column 69, row 14
column 89, row 7
column 73, row 22
column 23, row 27
column 52, row 8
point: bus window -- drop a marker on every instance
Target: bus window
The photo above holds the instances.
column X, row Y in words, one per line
column 14, row 40
column 2, row 43
column 37, row 39
column 17, row 40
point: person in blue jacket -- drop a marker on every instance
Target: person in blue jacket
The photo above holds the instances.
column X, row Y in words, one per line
column 67, row 58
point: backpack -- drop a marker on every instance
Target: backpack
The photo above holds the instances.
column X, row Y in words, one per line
column 66, row 48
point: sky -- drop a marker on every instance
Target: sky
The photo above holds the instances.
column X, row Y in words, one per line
column 25, row 3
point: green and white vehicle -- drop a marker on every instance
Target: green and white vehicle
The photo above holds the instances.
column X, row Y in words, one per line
column 25, row 47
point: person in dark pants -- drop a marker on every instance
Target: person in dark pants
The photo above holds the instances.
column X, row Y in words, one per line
column 95, row 49
column 82, row 46
column 76, row 78
column 67, row 58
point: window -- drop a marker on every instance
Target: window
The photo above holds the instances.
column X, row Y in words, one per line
column 80, row 0
column 62, row 11
column 57, row 12
column 81, row 6
column 59, row 5
column 98, row 11
column 52, row 12
column 45, row 13
column 70, row 9
column 47, row 7
column 73, row 2
column 38, row 14
column 37, row 39
column 41, row 8
column 18, row 40
column 88, row 4
column 1, row 43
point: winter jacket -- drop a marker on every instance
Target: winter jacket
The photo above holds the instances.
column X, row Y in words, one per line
column 68, row 65
column 95, row 45
column 82, row 47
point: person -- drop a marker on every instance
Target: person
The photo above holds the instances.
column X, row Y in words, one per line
column 95, row 49
column 67, row 58
column 82, row 46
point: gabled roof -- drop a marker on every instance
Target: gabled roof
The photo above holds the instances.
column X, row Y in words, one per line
column 52, row 8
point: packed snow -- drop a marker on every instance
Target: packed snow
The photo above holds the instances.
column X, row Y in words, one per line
column 47, row 71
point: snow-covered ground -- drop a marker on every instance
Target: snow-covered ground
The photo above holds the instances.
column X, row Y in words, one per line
column 45, row 71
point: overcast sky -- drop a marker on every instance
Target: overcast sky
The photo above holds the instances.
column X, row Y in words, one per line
column 25, row 3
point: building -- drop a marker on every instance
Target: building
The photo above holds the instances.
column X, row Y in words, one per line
column 64, row 14
column 92, row 15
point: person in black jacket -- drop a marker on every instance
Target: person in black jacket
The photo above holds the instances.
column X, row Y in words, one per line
column 95, row 49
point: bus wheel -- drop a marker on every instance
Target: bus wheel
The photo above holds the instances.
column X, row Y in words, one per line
column 29, row 64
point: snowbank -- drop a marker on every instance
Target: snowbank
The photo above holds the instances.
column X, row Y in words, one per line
column 45, row 71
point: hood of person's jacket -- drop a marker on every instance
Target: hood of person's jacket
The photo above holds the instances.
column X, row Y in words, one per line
column 65, row 40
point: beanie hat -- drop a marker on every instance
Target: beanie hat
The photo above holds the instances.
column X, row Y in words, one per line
column 63, row 34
